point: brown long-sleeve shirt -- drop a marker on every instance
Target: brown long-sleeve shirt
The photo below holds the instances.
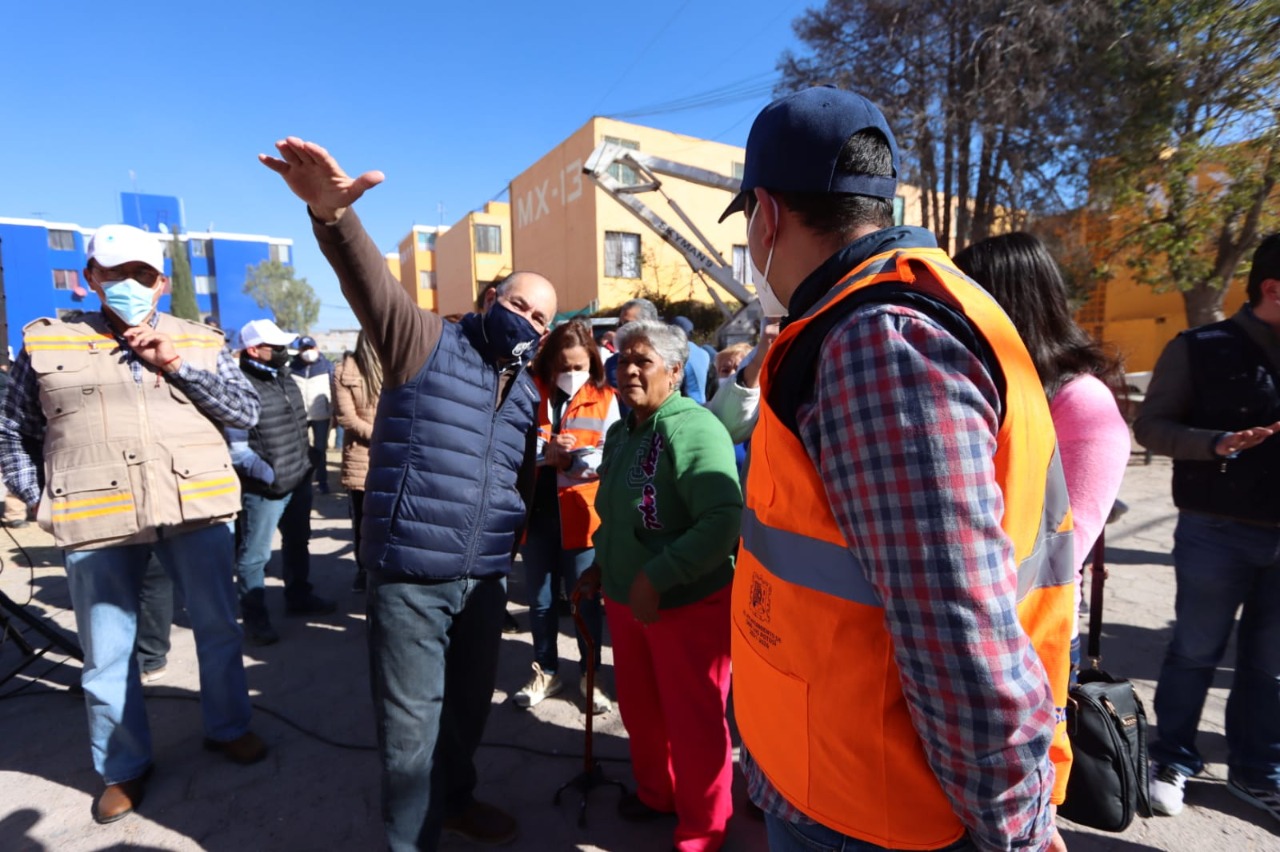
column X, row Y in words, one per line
column 1161, row 422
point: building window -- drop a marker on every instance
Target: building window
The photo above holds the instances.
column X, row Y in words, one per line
column 426, row 280
column 621, row 255
column 488, row 239
column 66, row 279
column 623, row 174
column 899, row 209
column 426, row 241
column 199, row 248
column 62, row 240
column 741, row 271
column 280, row 253
column 739, row 169
column 205, row 285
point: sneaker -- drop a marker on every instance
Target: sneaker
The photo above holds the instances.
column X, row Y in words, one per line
column 153, row 675
column 258, row 629
column 509, row 624
column 312, row 604
column 484, row 824
column 540, row 686
column 600, row 702
column 1167, row 788
column 1268, row 800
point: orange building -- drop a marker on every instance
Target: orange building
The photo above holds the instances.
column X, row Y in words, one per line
column 417, row 264
column 470, row 255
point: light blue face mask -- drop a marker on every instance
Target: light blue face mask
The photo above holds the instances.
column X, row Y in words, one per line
column 129, row 300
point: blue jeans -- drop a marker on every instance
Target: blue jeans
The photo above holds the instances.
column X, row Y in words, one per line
column 155, row 617
column 795, row 837
column 433, row 662
column 260, row 517
column 105, row 587
column 1220, row 566
column 316, row 452
column 548, row 568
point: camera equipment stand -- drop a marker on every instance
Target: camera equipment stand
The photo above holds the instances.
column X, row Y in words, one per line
column 10, row 612
column 592, row 775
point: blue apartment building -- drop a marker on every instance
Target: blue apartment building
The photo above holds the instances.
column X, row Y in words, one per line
column 42, row 264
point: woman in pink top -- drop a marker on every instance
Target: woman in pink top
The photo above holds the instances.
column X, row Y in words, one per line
column 1078, row 377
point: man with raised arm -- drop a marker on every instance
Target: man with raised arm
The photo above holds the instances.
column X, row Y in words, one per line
column 443, row 507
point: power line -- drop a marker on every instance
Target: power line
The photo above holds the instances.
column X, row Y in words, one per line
column 640, row 55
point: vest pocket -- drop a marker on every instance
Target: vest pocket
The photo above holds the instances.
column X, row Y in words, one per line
column 772, row 711
column 92, row 503
column 207, row 485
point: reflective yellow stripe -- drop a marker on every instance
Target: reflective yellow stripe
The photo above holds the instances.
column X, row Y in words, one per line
column 73, row 337
column 92, row 513
column 208, row 483
column 196, row 495
column 59, row 347
column 63, row 505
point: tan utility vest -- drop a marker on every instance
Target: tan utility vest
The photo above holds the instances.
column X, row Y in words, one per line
column 122, row 459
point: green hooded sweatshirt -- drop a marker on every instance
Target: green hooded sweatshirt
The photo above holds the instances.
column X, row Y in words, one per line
column 669, row 504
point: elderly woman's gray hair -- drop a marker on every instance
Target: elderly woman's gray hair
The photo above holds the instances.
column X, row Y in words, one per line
column 643, row 309
column 666, row 340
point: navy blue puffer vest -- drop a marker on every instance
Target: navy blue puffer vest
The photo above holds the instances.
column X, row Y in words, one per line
column 441, row 501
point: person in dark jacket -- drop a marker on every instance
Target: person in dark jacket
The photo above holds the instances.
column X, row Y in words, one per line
column 275, row 477
column 443, row 508
column 1214, row 406
column 314, row 375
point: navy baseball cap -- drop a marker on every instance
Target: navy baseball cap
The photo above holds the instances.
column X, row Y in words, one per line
column 795, row 143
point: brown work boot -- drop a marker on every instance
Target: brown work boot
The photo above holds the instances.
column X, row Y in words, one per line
column 120, row 800
column 484, row 824
column 244, row 749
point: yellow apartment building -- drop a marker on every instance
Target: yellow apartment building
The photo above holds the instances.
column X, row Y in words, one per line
column 475, row 251
column 595, row 250
column 416, row 263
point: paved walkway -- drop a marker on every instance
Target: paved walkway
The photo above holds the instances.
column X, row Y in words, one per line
column 318, row 790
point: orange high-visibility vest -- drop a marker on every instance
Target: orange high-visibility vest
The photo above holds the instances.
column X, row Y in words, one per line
column 584, row 418
column 817, row 693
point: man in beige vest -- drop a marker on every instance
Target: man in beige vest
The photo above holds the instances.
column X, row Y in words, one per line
column 112, row 426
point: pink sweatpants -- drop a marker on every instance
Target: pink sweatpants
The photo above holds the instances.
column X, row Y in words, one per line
column 672, row 679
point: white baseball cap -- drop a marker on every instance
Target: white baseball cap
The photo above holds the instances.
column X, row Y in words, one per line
column 264, row 332
column 113, row 245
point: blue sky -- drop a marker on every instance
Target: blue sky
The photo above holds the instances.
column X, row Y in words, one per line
column 450, row 100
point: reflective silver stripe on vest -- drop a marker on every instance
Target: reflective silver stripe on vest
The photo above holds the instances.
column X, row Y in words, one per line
column 591, row 424
column 809, row 562
column 1052, row 560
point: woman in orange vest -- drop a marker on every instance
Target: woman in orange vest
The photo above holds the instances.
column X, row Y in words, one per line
column 577, row 409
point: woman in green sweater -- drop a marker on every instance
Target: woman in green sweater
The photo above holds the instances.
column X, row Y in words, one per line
column 670, row 510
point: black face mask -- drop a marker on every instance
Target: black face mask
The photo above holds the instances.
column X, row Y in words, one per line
column 509, row 335
column 279, row 357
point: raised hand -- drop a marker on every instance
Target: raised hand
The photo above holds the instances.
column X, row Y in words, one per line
column 154, row 347
column 315, row 177
column 1245, row 439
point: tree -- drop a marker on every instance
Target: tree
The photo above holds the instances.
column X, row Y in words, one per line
column 1197, row 146
column 182, row 301
column 976, row 93
column 275, row 286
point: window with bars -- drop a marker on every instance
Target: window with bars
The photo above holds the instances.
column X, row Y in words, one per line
column 739, row 169
column 426, row 279
column 205, row 285
column 621, row 255
column 199, row 248
column 623, row 174
column 488, row 239
column 62, row 240
column 65, row 279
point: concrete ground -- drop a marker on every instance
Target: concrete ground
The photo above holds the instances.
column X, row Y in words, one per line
column 318, row 790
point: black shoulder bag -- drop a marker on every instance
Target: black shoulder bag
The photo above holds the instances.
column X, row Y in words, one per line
column 1108, row 730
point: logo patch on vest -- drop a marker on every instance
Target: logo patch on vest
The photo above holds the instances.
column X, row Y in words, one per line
column 761, row 598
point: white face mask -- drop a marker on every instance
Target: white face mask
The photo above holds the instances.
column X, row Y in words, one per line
column 310, row 356
column 769, row 301
column 572, row 381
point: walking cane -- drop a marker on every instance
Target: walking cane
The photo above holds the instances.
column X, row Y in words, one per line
column 592, row 775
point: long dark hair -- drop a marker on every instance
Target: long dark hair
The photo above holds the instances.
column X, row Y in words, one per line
column 566, row 336
column 1023, row 277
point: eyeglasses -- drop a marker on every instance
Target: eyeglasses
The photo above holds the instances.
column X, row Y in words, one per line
column 140, row 272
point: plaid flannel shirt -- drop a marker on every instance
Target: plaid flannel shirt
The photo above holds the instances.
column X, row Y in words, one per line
column 902, row 430
column 224, row 396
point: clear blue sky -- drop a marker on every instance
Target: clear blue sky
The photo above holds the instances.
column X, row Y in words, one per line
column 450, row 100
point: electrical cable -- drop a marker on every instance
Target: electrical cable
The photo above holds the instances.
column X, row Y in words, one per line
column 662, row 29
column 21, row 692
